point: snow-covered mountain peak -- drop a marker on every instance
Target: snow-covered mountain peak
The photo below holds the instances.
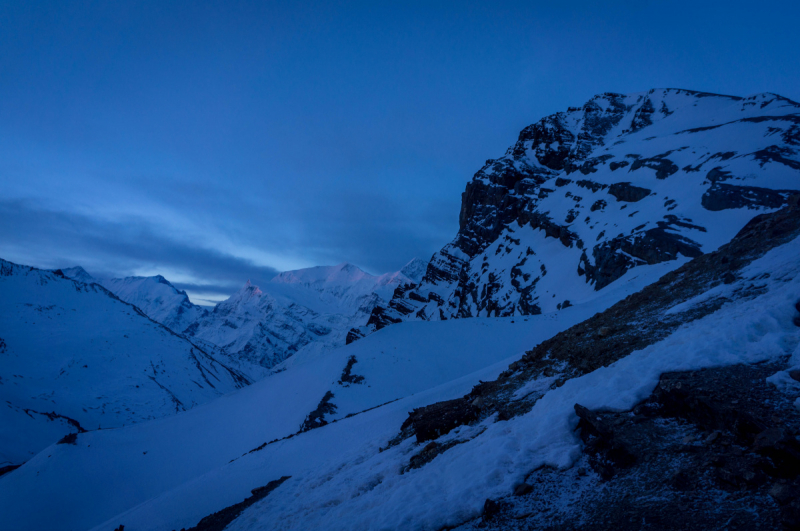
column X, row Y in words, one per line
column 248, row 291
column 585, row 195
column 305, row 308
column 78, row 273
column 415, row 269
column 265, row 324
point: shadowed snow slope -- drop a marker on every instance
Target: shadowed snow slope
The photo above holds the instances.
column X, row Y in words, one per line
column 157, row 298
column 74, row 357
column 165, row 463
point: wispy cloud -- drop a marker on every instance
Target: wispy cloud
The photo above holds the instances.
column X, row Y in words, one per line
column 51, row 239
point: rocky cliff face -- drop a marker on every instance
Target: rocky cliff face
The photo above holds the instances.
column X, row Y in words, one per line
column 585, row 196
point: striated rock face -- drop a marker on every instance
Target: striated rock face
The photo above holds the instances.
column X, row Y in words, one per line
column 585, row 196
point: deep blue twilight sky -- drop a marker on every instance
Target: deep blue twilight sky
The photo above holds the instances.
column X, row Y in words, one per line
column 214, row 142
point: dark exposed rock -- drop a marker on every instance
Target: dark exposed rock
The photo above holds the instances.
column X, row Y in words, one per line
column 707, row 450
column 724, row 196
column 490, row 508
column 551, row 229
column 717, row 175
column 647, row 247
column 428, row 453
column 316, row 419
column 347, row 375
column 380, row 317
column 431, row 422
column 220, row 519
column 591, row 185
column 663, row 166
column 600, row 204
column 586, row 167
column 643, row 116
column 599, row 435
column 353, row 334
column 522, row 489
column 614, row 166
column 53, row 416
column 778, row 154
column 8, row 468
column 550, row 139
column 627, row 192
column 70, row 438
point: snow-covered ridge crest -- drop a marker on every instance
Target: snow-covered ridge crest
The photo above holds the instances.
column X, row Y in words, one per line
column 155, row 296
column 585, row 195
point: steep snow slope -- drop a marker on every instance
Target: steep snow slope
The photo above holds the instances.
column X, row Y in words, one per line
column 183, row 451
column 308, row 308
column 164, row 303
column 586, row 195
column 364, row 488
column 74, row 357
column 78, row 273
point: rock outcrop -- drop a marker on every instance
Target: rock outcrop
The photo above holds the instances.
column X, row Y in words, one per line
column 586, row 195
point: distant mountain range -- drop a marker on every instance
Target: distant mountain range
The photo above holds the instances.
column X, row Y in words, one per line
column 262, row 326
column 81, row 353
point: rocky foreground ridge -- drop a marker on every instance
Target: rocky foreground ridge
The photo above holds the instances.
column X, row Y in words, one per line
column 586, row 195
column 712, row 448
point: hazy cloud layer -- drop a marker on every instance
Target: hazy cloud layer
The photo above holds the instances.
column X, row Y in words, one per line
column 50, row 239
column 217, row 142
